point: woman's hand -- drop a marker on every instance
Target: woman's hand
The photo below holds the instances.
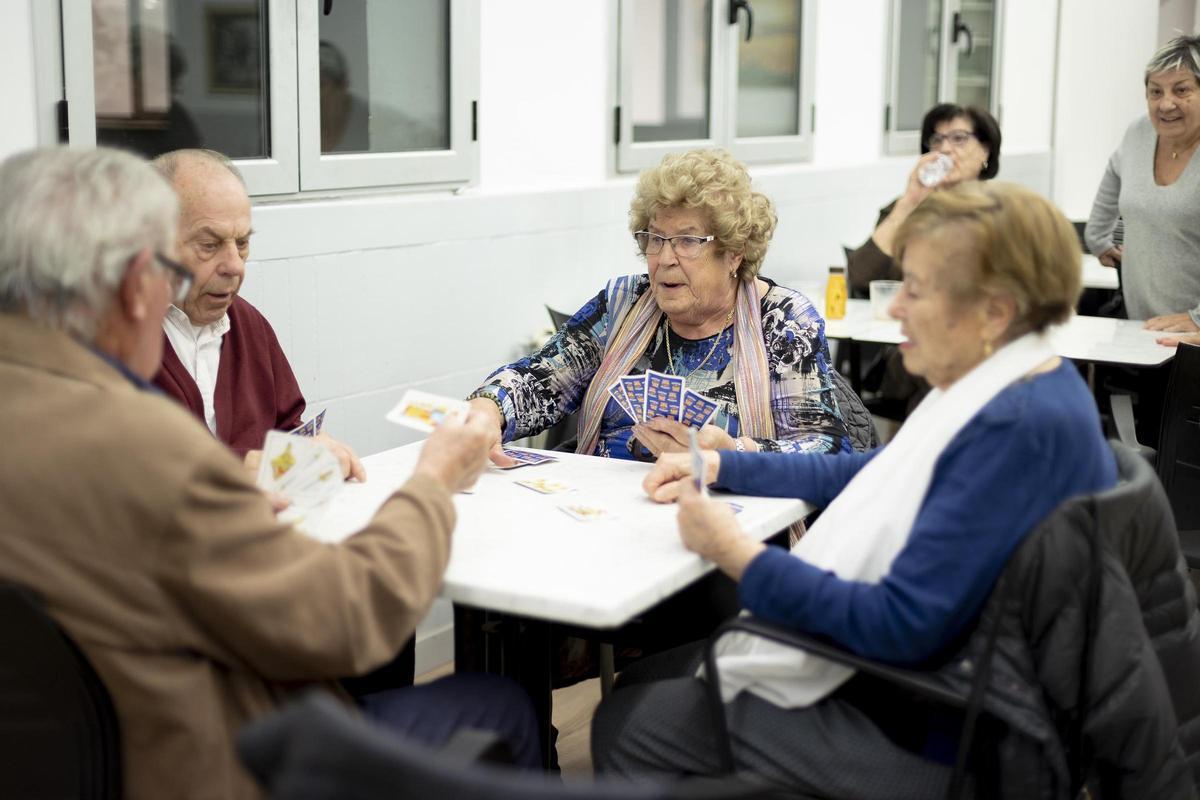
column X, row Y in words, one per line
column 1172, row 341
column 673, row 469
column 1172, row 323
column 708, row 528
column 485, row 408
column 1113, row 256
column 456, row 452
column 661, row 435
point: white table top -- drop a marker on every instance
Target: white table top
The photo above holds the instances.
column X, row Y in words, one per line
column 514, row 550
column 1098, row 276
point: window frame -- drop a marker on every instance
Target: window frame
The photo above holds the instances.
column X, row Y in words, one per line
column 296, row 163
column 453, row 167
column 724, row 40
column 908, row 141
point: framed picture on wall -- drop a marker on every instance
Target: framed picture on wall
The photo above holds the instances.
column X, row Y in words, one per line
column 235, row 49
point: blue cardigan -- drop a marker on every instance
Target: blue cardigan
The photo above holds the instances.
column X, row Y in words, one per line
column 1032, row 446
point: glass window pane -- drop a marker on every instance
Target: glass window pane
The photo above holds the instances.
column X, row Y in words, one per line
column 769, row 71
column 385, row 76
column 974, row 81
column 671, row 69
column 918, row 56
column 176, row 73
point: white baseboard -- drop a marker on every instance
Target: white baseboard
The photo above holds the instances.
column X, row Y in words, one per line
column 435, row 648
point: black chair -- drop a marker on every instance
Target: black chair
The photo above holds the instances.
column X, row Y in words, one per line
column 1178, row 456
column 315, row 749
column 1179, row 449
column 58, row 729
column 964, row 680
column 859, row 425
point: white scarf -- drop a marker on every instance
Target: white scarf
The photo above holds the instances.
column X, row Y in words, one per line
column 860, row 533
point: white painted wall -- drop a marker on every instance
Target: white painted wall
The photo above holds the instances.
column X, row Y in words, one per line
column 17, row 91
column 1103, row 51
column 1176, row 17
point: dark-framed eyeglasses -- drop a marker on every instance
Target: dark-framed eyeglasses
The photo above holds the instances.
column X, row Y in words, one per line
column 685, row 246
column 179, row 276
column 955, row 138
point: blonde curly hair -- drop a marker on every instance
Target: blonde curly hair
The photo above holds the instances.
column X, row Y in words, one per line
column 718, row 185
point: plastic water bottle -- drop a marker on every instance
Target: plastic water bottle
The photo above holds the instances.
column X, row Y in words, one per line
column 934, row 172
column 835, row 294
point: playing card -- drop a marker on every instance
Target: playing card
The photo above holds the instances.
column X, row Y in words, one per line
column 663, row 395
column 319, row 422
column 545, row 485
column 617, row 392
column 310, row 428
column 697, row 460
column 587, row 512
column 526, row 457
column 697, row 409
column 424, row 411
column 300, row 469
column 737, row 507
column 635, row 391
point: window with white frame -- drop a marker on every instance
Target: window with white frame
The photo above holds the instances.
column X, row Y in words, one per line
column 715, row 73
column 302, row 94
column 942, row 51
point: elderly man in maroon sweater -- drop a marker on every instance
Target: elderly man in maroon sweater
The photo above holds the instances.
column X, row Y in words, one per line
column 222, row 360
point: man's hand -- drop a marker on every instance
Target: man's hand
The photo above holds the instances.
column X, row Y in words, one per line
column 456, row 452
column 661, row 435
column 708, row 527
column 1172, row 323
column 483, row 407
column 252, row 460
column 347, row 460
column 1113, row 256
column 664, row 482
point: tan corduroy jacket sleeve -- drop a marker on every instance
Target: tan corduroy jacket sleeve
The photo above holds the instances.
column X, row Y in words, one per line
column 255, row 592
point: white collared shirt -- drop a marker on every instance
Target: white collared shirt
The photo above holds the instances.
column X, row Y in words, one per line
column 199, row 348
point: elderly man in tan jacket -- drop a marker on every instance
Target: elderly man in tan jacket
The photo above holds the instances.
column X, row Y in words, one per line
column 144, row 535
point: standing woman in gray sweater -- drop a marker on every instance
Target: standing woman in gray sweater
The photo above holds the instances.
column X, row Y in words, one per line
column 1153, row 184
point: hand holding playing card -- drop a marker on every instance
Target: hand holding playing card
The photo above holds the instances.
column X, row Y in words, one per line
column 484, row 407
column 456, row 452
column 663, row 482
column 662, row 435
column 709, row 528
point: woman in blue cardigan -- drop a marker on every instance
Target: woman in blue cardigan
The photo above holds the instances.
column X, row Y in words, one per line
column 913, row 535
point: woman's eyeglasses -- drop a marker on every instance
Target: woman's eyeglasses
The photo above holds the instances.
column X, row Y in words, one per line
column 955, row 138
column 179, row 276
column 685, row 246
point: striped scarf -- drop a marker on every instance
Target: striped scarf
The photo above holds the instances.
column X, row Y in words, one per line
column 634, row 330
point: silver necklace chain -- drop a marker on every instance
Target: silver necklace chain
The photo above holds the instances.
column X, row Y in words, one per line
column 671, row 359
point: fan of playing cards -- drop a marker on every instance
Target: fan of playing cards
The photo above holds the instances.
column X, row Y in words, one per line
column 301, row 469
column 655, row 394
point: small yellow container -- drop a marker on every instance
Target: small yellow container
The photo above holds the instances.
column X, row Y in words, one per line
column 835, row 294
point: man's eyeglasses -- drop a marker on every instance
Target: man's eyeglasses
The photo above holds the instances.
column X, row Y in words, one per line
column 955, row 138
column 179, row 276
column 651, row 244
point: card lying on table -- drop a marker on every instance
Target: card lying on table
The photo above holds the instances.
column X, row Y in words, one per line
column 526, row 458
column 424, row 411
column 587, row 512
column 546, row 485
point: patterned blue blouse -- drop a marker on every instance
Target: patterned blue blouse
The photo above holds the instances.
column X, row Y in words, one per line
column 537, row 391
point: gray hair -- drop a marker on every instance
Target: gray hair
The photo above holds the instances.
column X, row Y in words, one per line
column 167, row 164
column 1182, row 52
column 70, row 221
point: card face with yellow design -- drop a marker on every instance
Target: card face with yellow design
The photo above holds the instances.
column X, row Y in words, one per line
column 545, row 485
column 299, row 468
column 587, row 512
column 424, row 411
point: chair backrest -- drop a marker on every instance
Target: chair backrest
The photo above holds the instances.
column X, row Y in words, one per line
column 58, row 729
column 314, row 749
column 557, row 318
column 1179, row 438
column 859, row 424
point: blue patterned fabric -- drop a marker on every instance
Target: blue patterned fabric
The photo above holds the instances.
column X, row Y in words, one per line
column 539, row 390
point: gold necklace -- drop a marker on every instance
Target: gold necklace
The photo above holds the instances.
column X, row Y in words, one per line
column 711, row 350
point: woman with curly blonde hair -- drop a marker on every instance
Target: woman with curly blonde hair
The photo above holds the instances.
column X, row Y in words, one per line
column 701, row 312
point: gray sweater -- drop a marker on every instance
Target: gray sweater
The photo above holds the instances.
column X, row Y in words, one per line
column 1160, row 273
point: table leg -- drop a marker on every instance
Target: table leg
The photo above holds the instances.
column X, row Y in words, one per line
column 515, row 647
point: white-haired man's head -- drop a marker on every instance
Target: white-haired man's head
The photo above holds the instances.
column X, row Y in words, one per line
column 70, row 222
